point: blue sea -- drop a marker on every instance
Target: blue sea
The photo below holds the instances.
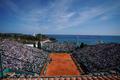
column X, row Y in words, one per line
column 88, row 39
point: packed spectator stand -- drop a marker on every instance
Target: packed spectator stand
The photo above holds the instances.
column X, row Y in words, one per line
column 95, row 60
column 99, row 59
column 18, row 56
column 59, row 46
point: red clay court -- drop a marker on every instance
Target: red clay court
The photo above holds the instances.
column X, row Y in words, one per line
column 60, row 64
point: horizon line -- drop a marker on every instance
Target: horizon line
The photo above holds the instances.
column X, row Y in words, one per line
column 62, row 34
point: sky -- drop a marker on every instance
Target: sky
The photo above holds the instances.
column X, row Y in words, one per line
column 83, row 17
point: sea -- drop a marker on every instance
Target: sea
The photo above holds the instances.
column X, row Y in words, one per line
column 87, row 39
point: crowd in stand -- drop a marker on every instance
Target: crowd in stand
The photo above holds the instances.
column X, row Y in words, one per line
column 18, row 56
column 59, row 47
column 101, row 57
column 94, row 58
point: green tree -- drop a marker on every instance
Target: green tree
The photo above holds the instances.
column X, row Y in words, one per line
column 82, row 45
column 39, row 45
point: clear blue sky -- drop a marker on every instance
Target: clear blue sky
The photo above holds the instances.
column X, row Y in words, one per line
column 84, row 17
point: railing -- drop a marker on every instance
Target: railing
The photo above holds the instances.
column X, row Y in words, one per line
column 78, row 66
column 82, row 77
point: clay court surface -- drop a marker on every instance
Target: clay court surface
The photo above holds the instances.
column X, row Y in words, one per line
column 61, row 64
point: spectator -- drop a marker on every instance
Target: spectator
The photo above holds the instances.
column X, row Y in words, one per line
column 18, row 56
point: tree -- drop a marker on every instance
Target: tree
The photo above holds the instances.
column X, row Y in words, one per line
column 52, row 39
column 34, row 44
column 39, row 45
column 82, row 45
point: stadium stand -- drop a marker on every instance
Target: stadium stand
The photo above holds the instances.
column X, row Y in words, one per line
column 59, row 47
column 99, row 58
column 20, row 62
column 19, row 57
